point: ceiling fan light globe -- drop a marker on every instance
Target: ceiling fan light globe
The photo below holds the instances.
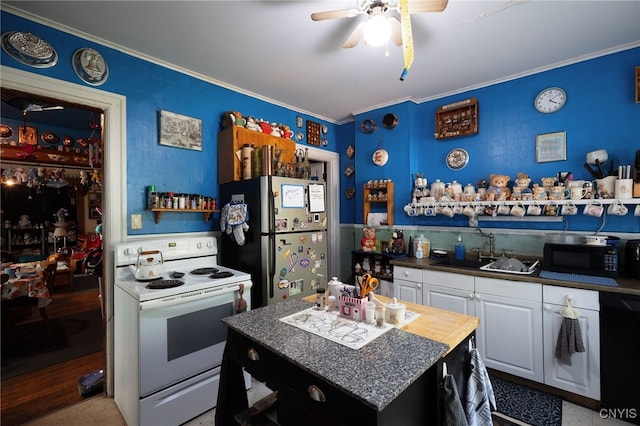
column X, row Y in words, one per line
column 377, row 31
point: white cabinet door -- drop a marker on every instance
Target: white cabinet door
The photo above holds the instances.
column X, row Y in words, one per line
column 450, row 291
column 408, row 291
column 407, row 284
column 510, row 334
column 583, row 375
column 450, row 299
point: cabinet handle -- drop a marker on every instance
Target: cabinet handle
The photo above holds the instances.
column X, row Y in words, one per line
column 316, row 394
column 252, row 354
column 547, row 307
column 406, row 274
column 470, row 296
column 419, row 286
column 478, row 296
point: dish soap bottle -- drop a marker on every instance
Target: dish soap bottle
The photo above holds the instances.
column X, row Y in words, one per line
column 459, row 249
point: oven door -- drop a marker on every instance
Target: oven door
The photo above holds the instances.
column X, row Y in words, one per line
column 182, row 337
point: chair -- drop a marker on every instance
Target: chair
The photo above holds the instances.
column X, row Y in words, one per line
column 12, row 306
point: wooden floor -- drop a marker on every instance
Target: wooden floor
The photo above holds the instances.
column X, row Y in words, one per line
column 33, row 395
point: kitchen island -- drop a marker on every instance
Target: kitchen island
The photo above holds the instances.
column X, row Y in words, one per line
column 391, row 380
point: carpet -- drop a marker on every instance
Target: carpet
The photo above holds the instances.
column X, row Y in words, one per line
column 29, row 348
column 528, row 405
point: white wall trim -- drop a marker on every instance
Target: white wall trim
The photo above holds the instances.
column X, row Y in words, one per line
column 114, row 171
column 332, row 160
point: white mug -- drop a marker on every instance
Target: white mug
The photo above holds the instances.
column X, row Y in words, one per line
column 447, row 211
column 636, row 212
column 617, row 209
column 606, row 186
column 469, row 211
column 594, row 209
column 534, row 210
column 624, row 188
column 569, row 209
column 578, row 193
column 503, row 209
column 518, row 210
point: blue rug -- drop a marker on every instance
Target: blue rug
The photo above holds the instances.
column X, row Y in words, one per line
column 528, row 405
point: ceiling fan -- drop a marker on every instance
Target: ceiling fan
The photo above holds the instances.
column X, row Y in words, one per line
column 380, row 26
column 29, row 105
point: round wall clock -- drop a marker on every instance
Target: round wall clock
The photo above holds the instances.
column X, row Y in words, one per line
column 90, row 66
column 550, row 100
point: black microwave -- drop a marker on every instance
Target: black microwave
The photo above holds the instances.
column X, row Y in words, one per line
column 581, row 259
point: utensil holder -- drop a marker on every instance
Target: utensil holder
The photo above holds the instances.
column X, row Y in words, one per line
column 352, row 307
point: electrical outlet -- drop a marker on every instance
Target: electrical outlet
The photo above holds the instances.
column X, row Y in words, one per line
column 136, row 221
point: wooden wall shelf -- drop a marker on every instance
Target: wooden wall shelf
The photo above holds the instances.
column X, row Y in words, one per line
column 457, row 119
column 379, row 195
column 205, row 212
column 233, row 138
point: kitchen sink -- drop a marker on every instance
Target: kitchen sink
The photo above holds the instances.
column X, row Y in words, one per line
column 512, row 265
column 457, row 263
column 502, row 265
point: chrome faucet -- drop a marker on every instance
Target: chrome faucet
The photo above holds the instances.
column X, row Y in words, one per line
column 491, row 254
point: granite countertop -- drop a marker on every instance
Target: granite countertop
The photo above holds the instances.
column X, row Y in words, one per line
column 625, row 285
column 375, row 374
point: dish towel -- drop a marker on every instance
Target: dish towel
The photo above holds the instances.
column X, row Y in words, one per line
column 480, row 398
column 453, row 412
column 569, row 340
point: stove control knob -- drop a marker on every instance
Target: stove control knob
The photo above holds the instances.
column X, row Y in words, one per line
column 209, row 244
column 126, row 252
column 199, row 245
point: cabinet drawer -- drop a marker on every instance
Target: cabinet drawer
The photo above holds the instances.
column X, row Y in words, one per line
column 585, row 299
column 516, row 289
column 448, row 279
column 407, row 274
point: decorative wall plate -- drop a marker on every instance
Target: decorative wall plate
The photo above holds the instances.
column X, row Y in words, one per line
column 90, row 66
column 380, row 157
column 457, row 159
column 28, row 135
column 349, row 192
column 5, row 131
column 389, row 121
column 50, row 138
column 67, row 141
column 368, row 126
column 29, row 49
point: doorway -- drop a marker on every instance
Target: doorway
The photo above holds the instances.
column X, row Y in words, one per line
column 114, row 169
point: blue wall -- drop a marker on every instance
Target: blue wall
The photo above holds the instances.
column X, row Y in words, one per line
column 600, row 113
column 148, row 89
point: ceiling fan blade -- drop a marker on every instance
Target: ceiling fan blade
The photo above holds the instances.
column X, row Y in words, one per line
column 407, row 37
column 355, row 36
column 39, row 108
column 426, row 6
column 396, row 30
column 334, row 14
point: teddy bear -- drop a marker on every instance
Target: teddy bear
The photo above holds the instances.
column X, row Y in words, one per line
column 548, row 182
column 521, row 187
column 498, row 189
column 252, row 124
column 368, row 240
column 396, row 245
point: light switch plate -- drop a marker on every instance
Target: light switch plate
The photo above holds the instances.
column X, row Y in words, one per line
column 136, row 221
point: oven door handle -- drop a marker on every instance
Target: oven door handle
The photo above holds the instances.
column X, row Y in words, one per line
column 198, row 295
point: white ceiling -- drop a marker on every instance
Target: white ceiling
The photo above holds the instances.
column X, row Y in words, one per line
column 273, row 49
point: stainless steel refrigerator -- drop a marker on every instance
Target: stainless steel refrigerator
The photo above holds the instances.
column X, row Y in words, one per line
column 285, row 247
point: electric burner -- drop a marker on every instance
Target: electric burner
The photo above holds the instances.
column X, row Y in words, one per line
column 204, row 271
column 164, row 284
column 221, row 274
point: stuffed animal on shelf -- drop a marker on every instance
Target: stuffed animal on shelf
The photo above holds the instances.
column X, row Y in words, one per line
column 368, row 240
column 396, row 245
column 498, row 189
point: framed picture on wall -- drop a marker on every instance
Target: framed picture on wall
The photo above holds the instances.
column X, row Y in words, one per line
column 95, row 200
column 551, row 147
column 180, row 131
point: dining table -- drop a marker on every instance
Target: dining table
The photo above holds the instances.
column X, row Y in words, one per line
column 29, row 284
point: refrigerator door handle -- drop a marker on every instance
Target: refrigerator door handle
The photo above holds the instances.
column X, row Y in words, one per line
column 272, row 265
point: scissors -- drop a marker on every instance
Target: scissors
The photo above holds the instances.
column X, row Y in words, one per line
column 367, row 284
